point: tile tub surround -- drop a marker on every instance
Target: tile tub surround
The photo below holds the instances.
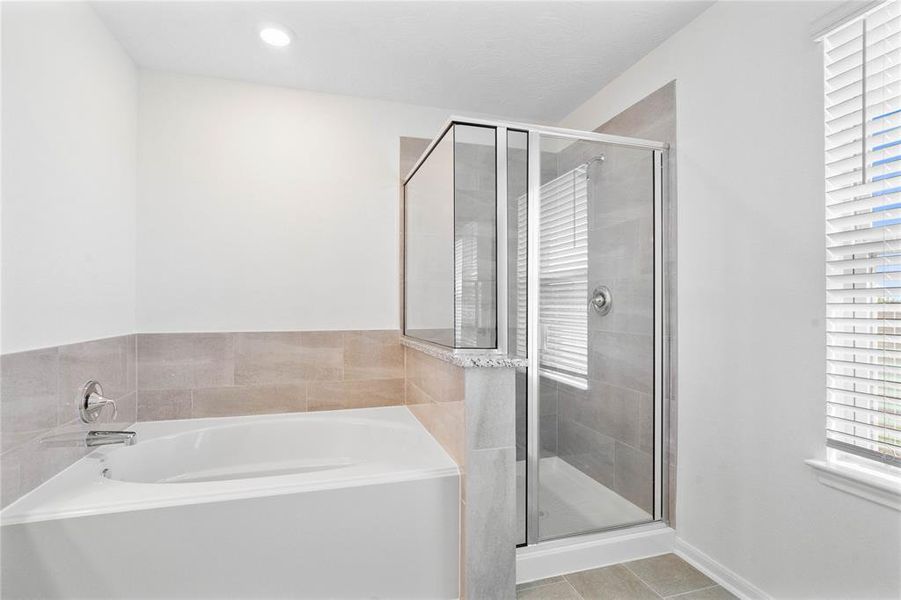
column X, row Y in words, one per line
column 470, row 411
column 193, row 375
column 38, row 390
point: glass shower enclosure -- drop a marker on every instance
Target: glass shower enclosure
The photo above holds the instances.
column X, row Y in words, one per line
column 548, row 245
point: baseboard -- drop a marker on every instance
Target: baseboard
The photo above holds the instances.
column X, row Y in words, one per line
column 727, row 578
column 558, row 557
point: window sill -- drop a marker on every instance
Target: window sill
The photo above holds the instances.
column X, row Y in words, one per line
column 875, row 487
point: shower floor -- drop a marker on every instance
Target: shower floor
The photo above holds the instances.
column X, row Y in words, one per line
column 571, row 502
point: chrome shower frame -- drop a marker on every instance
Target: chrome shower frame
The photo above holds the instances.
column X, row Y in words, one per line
column 663, row 287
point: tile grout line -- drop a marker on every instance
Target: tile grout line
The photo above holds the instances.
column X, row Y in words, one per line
column 573, row 588
column 680, row 595
column 645, row 583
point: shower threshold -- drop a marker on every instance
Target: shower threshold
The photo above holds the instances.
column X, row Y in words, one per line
column 571, row 502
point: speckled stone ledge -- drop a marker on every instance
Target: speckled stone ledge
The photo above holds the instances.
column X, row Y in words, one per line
column 464, row 358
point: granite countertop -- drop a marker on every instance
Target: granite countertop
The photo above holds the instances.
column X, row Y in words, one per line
column 465, row 358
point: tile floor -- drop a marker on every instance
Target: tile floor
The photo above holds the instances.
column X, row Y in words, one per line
column 666, row 576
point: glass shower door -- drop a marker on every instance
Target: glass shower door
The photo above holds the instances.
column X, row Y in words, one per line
column 592, row 460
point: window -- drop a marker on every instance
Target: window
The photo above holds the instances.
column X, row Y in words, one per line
column 863, row 235
column 563, row 267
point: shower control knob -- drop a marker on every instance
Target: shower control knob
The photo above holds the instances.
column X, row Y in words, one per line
column 601, row 300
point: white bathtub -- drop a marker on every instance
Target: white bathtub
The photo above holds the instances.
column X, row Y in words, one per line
column 341, row 504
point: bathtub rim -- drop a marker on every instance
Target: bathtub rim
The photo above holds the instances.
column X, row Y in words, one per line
column 30, row 508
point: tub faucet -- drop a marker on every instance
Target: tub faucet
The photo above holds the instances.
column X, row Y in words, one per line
column 90, row 439
column 106, row 438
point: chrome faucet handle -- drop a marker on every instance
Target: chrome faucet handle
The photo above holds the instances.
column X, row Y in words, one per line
column 91, row 402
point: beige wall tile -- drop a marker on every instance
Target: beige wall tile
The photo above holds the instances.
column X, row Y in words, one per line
column 441, row 381
column 414, row 395
column 165, row 361
column 249, row 400
column 267, row 358
column 335, row 395
column 213, row 359
column 445, row 421
column 288, row 357
column 373, row 355
column 28, row 389
column 163, row 405
column 434, row 393
column 10, row 475
column 171, row 361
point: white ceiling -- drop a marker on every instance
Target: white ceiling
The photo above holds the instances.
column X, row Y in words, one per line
column 529, row 60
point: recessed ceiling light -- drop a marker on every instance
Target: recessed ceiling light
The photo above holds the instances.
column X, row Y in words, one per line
column 275, row 36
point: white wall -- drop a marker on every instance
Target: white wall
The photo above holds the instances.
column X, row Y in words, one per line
column 68, row 177
column 751, row 305
column 266, row 208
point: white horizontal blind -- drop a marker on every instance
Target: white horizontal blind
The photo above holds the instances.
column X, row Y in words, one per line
column 563, row 269
column 466, row 278
column 522, row 279
column 863, row 235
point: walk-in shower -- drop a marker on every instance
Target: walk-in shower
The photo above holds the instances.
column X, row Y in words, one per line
column 547, row 244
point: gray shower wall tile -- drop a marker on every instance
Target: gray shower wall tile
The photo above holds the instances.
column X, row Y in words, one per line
column 521, row 413
column 547, row 434
column 633, row 307
column 646, row 416
column 618, row 413
column 654, row 117
column 625, row 189
column 548, row 396
column 634, row 476
column 622, row 359
column 38, row 402
column 586, row 449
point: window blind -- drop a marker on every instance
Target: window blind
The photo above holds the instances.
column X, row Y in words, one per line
column 563, row 284
column 522, row 278
column 466, row 286
column 863, row 235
